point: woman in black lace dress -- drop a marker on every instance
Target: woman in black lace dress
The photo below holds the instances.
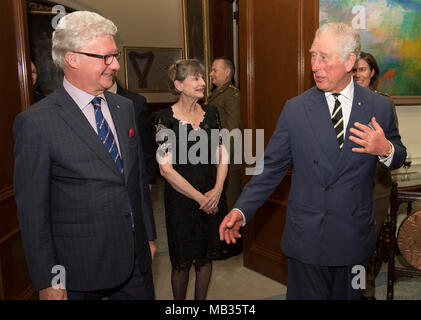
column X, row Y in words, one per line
column 194, row 200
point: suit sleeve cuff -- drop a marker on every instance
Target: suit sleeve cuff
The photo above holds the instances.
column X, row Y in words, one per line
column 244, row 217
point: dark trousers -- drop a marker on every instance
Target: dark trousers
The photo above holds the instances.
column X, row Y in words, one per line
column 139, row 286
column 313, row 282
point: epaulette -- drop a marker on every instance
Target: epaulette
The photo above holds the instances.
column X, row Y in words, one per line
column 382, row 93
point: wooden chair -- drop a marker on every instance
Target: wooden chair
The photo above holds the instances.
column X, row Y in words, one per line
column 387, row 247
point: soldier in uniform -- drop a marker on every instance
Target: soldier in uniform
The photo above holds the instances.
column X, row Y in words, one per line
column 366, row 73
column 226, row 97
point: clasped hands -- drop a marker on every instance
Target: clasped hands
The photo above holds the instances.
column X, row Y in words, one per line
column 210, row 200
column 372, row 141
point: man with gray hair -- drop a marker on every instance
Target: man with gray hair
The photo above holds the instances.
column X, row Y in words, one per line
column 84, row 206
column 334, row 134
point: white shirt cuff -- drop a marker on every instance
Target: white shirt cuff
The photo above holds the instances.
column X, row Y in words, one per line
column 388, row 161
column 244, row 217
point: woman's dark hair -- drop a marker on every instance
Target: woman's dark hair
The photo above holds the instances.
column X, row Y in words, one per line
column 373, row 66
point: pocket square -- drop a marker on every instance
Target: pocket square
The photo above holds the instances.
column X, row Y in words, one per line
column 131, row 132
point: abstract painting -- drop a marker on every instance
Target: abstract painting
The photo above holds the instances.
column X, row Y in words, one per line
column 391, row 31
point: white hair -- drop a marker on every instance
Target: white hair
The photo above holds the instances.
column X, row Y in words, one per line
column 349, row 38
column 75, row 30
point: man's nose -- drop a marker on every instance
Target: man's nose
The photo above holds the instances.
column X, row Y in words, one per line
column 115, row 65
column 314, row 64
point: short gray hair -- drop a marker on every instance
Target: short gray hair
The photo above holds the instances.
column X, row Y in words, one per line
column 181, row 69
column 350, row 38
column 75, row 30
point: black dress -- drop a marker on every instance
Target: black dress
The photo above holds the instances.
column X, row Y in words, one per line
column 193, row 235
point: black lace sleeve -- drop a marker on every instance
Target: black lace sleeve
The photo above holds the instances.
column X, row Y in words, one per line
column 160, row 123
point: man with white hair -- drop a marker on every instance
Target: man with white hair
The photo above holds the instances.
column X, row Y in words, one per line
column 334, row 134
column 84, row 206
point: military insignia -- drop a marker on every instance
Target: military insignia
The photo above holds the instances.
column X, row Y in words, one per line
column 236, row 94
column 382, row 93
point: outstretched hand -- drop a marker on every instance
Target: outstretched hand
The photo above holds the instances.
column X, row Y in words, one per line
column 372, row 141
column 230, row 226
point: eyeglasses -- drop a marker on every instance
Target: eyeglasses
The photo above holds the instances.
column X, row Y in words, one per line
column 108, row 59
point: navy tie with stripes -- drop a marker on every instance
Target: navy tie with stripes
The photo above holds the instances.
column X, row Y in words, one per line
column 338, row 121
column 106, row 135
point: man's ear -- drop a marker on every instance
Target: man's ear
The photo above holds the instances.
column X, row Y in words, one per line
column 350, row 62
column 72, row 59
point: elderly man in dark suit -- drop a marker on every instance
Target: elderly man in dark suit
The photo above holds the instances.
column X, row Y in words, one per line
column 334, row 135
column 83, row 203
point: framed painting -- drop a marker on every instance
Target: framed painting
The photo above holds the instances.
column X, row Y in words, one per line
column 196, row 33
column 390, row 31
column 41, row 19
column 146, row 68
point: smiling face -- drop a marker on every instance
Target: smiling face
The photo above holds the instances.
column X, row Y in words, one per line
column 363, row 73
column 91, row 74
column 330, row 73
column 193, row 86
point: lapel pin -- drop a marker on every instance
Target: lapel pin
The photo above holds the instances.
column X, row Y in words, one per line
column 117, row 106
column 359, row 103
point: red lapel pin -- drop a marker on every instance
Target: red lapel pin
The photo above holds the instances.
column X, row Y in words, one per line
column 131, row 132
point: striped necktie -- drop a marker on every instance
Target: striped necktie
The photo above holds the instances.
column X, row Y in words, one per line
column 105, row 134
column 338, row 121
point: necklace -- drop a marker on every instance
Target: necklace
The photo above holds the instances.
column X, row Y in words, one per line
column 185, row 117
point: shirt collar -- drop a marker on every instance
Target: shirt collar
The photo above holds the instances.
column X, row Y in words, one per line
column 348, row 92
column 82, row 98
column 113, row 88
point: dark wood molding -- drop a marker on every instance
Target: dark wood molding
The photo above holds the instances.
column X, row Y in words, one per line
column 6, row 193
column 22, row 51
column 406, row 100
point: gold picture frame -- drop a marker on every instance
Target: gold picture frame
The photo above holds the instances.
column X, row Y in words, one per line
column 196, row 34
column 146, row 68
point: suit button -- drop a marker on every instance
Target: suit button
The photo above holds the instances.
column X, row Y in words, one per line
column 316, row 162
column 327, row 188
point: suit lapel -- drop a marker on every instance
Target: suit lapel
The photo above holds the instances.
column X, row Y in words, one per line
column 120, row 124
column 360, row 112
column 321, row 125
column 76, row 120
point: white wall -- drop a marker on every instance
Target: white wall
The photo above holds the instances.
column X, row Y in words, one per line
column 410, row 129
